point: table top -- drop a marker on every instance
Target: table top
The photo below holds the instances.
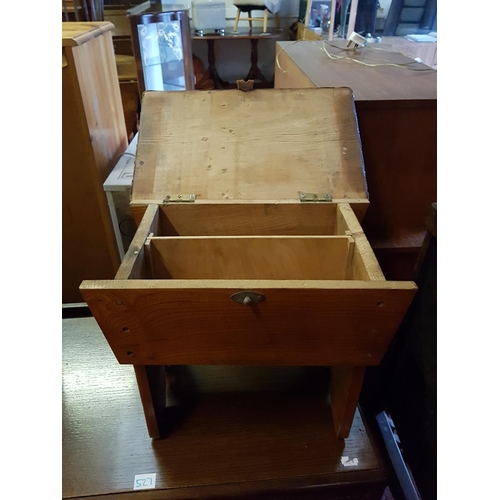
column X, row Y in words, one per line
column 243, row 34
column 379, row 75
column 401, row 40
column 79, row 33
column 232, row 444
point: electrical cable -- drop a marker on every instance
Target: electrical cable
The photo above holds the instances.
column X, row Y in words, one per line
column 346, row 49
column 283, row 48
column 383, row 63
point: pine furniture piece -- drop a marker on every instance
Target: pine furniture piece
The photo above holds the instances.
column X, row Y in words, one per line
column 93, row 138
column 249, row 249
column 396, row 109
column 427, row 51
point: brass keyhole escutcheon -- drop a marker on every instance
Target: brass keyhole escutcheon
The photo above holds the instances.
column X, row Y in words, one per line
column 248, row 298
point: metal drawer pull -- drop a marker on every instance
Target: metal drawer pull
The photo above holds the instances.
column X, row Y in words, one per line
column 248, row 298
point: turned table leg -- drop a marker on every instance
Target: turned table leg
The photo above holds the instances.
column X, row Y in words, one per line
column 346, row 383
column 212, row 70
column 153, row 390
column 255, row 73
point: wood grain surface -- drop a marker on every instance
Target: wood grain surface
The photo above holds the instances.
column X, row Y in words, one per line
column 369, row 83
column 239, row 219
column 263, row 444
column 364, row 265
column 299, row 323
column 98, row 76
column 93, row 138
column 135, row 265
column 251, row 257
column 78, row 33
column 346, row 383
column 426, row 51
column 263, row 145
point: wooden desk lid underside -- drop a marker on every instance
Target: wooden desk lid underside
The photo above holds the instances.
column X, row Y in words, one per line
column 234, row 146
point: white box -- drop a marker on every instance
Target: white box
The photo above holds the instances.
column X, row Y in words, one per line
column 118, row 186
column 208, row 15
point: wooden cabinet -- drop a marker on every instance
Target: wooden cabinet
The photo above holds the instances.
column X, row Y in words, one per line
column 93, row 138
column 249, row 249
column 161, row 41
column 396, row 108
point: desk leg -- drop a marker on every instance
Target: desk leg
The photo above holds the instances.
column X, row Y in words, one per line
column 346, row 383
column 255, row 73
column 153, row 391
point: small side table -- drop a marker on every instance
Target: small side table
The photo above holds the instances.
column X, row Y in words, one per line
column 254, row 36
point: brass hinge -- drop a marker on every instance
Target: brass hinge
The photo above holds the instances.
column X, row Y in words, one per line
column 179, row 198
column 315, row 197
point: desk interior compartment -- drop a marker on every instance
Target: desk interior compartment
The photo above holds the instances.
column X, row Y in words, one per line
column 325, row 298
column 260, row 241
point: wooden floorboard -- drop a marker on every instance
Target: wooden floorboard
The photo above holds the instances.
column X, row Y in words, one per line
column 276, row 443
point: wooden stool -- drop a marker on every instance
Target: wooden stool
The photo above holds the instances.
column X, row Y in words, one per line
column 249, row 5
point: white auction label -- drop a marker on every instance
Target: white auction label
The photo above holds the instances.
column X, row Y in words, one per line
column 145, row 481
column 349, row 462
